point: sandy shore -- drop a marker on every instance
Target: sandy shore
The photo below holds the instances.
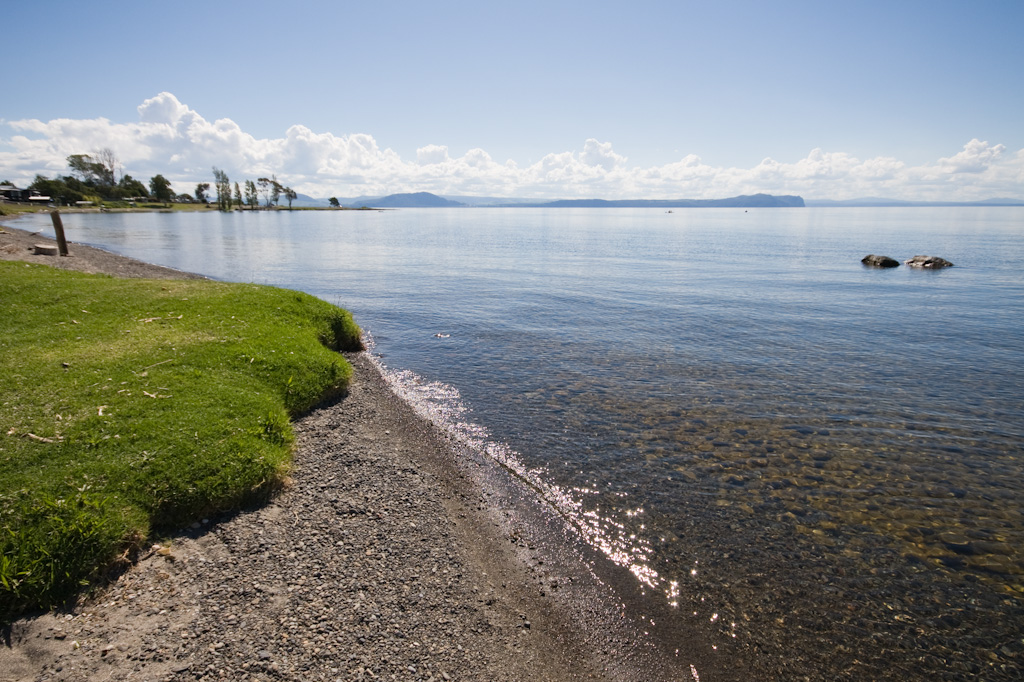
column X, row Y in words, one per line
column 392, row 555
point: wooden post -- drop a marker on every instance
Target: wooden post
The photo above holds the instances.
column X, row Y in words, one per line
column 58, row 228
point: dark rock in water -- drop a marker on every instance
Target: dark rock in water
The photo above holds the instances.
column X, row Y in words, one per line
column 880, row 261
column 957, row 543
column 933, row 262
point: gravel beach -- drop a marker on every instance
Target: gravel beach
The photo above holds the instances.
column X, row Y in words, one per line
column 391, row 554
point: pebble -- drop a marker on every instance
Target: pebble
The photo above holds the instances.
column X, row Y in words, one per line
column 306, row 587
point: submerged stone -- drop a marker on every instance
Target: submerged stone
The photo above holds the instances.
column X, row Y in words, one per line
column 880, row 261
column 956, row 543
column 932, row 262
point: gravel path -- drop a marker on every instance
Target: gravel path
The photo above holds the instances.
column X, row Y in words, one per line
column 390, row 555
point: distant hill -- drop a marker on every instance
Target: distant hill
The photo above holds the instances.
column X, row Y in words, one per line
column 355, row 202
column 428, row 200
column 491, row 201
column 372, row 201
column 414, row 200
column 875, row 202
column 745, row 201
column 305, row 201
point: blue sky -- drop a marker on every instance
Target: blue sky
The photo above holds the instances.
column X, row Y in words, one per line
column 549, row 99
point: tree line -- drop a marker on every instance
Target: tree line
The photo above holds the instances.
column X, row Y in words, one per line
column 93, row 176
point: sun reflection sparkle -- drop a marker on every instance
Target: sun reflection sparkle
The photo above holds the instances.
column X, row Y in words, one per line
column 442, row 405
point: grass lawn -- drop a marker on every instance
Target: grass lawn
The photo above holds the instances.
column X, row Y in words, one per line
column 128, row 407
column 12, row 208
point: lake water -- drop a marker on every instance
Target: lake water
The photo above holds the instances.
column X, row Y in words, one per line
column 818, row 462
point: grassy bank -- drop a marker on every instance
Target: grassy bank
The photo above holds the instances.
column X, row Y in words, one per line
column 131, row 406
column 15, row 209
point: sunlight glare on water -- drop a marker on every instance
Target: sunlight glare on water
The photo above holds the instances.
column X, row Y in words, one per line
column 442, row 405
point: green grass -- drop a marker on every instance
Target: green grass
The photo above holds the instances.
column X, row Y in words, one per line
column 129, row 407
column 12, row 208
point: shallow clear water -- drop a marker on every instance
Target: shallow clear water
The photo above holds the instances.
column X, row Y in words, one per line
column 773, row 438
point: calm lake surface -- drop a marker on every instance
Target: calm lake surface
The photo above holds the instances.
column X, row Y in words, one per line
column 819, row 462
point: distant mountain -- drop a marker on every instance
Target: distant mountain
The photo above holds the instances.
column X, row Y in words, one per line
column 414, row 200
column 355, row 202
column 875, row 202
column 491, row 201
column 1001, row 202
column 428, row 200
column 863, row 201
column 745, row 201
column 305, row 201
column 372, row 201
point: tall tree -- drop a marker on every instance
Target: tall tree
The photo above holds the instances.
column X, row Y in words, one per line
column 80, row 165
column 238, row 196
column 84, row 169
column 275, row 190
column 94, row 171
column 264, row 185
column 201, row 189
column 160, row 188
column 223, row 189
column 132, row 188
column 251, row 197
column 290, row 195
column 106, row 166
column 268, row 189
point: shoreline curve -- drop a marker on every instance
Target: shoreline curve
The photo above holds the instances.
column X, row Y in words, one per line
column 392, row 552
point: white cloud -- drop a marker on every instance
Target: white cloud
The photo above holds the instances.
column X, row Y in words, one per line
column 170, row 138
column 600, row 154
column 432, row 153
column 977, row 157
column 164, row 108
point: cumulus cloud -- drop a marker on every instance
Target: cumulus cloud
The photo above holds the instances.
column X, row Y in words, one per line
column 171, row 138
column 432, row 153
column 976, row 157
column 600, row 154
column 164, row 108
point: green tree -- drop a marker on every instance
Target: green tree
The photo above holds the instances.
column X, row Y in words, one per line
column 83, row 168
column 291, row 195
column 81, row 164
column 251, row 197
column 106, row 162
column 238, row 196
column 201, row 189
column 275, row 190
column 57, row 189
column 223, row 189
column 333, row 201
column 160, row 188
column 132, row 188
column 264, row 185
column 95, row 172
